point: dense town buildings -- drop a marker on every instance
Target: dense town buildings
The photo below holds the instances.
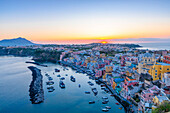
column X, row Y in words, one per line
column 140, row 76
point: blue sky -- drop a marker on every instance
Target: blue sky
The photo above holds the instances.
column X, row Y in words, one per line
column 43, row 20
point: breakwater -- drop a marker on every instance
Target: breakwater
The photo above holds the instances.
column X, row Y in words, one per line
column 36, row 91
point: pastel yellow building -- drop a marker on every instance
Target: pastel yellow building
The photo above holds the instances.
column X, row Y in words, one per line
column 114, row 85
column 158, row 100
column 145, row 63
column 104, row 76
column 158, row 69
column 108, row 68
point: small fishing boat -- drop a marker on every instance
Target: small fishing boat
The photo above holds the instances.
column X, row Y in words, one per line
column 72, row 79
column 108, row 107
column 91, row 102
column 50, row 83
column 62, row 78
column 79, row 85
column 51, row 90
column 97, row 81
column 104, row 97
column 47, row 75
column 91, row 84
column 88, row 82
column 117, row 103
column 90, row 77
column 120, row 108
column 87, row 92
column 58, row 76
column 94, row 91
column 106, row 90
column 103, row 85
column 66, row 74
column 57, row 70
column 112, row 95
column 105, row 109
column 51, row 87
column 103, row 88
column 61, row 84
column 50, row 78
column 105, row 102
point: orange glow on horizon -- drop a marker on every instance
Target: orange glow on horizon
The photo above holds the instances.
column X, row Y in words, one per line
column 104, row 42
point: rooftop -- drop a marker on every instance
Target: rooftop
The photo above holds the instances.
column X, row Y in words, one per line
column 163, row 63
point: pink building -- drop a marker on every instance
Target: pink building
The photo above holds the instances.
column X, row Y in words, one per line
column 101, row 65
column 98, row 73
column 107, row 62
column 147, row 95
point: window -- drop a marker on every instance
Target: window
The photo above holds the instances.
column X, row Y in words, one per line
column 155, row 70
column 155, row 73
column 168, row 69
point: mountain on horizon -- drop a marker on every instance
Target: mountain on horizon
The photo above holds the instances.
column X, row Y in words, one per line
column 16, row 42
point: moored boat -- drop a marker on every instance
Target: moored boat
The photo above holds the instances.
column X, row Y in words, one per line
column 117, row 103
column 57, row 70
column 50, row 78
column 58, row 76
column 105, row 102
column 87, row 92
column 94, row 91
column 50, row 83
column 72, row 79
column 108, row 107
column 51, row 90
column 61, row 84
column 62, row 78
column 120, row 108
column 105, row 109
column 104, row 97
column 91, row 102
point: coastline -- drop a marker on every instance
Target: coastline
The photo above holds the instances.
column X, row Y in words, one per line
column 125, row 103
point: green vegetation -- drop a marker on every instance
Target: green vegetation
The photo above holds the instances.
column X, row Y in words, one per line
column 165, row 107
column 37, row 54
column 136, row 98
column 110, row 53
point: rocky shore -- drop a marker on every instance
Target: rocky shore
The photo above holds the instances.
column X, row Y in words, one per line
column 36, row 87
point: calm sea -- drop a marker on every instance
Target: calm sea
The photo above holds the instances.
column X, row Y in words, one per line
column 155, row 46
column 15, row 79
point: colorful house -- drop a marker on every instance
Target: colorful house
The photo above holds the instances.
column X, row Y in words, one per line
column 145, row 63
column 108, row 68
column 166, row 59
column 158, row 100
column 158, row 69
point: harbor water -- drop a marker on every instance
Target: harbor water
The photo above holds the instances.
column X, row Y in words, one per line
column 15, row 79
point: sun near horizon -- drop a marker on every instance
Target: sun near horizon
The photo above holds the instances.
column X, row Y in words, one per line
column 104, row 42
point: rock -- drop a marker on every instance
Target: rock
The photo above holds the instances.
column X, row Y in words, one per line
column 36, row 91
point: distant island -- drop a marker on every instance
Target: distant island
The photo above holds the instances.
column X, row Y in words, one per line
column 16, row 42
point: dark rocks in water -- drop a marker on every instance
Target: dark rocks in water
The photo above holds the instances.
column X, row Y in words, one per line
column 36, row 63
column 36, row 91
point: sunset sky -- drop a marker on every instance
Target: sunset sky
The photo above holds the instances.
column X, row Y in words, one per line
column 84, row 20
